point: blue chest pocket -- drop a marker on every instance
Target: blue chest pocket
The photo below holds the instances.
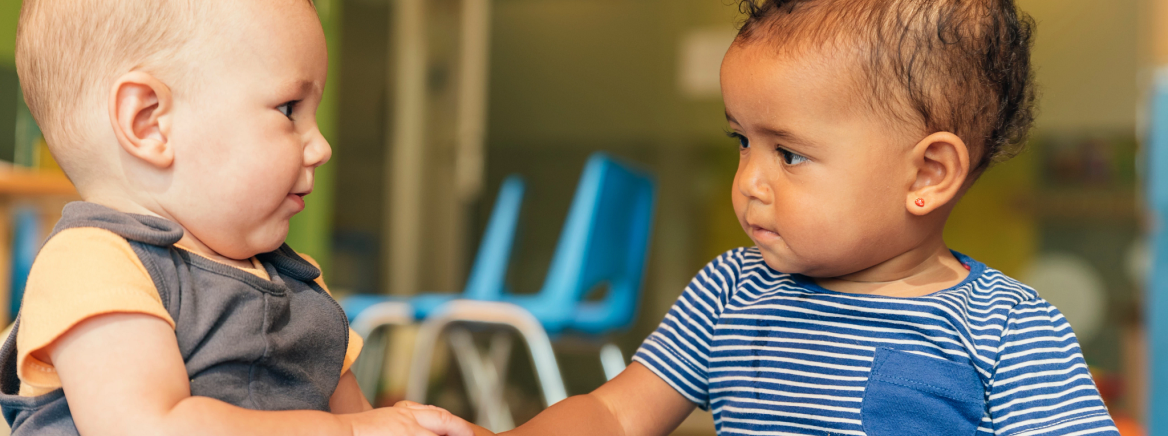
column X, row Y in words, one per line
column 910, row 394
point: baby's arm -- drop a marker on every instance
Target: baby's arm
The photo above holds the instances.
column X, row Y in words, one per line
column 639, row 402
column 635, row 403
column 123, row 375
column 1041, row 384
column 348, row 397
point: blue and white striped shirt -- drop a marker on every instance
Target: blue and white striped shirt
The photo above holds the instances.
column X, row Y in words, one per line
column 775, row 354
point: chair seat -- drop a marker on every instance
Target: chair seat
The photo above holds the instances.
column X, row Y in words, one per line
column 425, row 304
column 422, row 305
column 591, row 318
column 353, row 305
column 598, row 318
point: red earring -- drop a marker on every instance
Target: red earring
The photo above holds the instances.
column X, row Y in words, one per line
column 920, row 202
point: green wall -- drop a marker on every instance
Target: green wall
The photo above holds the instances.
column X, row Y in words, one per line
column 9, row 14
column 311, row 230
column 9, row 84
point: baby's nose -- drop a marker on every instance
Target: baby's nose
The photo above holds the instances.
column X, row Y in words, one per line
column 318, row 151
column 752, row 183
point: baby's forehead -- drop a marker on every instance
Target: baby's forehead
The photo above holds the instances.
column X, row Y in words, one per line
column 840, row 74
column 806, row 96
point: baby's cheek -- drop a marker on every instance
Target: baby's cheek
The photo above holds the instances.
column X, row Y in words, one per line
column 737, row 199
column 809, row 238
column 820, row 237
column 806, row 212
column 738, row 203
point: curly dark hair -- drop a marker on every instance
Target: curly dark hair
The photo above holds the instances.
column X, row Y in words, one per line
column 961, row 66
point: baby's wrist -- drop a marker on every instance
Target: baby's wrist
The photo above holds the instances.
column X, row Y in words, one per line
column 344, row 425
column 480, row 431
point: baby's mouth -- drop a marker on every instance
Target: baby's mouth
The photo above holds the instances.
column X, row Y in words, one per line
column 759, row 233
column 298, row 199
column 301, row 194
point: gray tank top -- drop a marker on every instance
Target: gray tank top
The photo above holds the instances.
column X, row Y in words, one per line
column 260, row 344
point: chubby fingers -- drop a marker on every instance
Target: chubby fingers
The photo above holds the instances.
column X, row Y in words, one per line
column 416, row 406
column 439, row 420
column 423, row 432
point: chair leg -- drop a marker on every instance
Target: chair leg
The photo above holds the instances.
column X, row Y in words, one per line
column 484, row 381
column 370, row 364
column 491, row 313
column 543, row 357
column 612, row 360
column 470, row 363
column 424, row 343
column 500, row 359
column 500, row 353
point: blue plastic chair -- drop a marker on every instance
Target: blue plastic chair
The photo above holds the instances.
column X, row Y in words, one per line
column 485, row 281
column 603, row 242
column 367, row 313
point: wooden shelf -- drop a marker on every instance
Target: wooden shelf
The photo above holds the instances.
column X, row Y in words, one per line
column 20, row 182
column 47, row 192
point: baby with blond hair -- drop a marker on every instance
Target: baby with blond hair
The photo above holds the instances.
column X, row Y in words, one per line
column 167, row 302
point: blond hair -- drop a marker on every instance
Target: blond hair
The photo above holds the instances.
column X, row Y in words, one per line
column 69, row 52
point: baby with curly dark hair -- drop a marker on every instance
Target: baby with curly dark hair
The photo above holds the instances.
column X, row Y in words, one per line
column 860, row 124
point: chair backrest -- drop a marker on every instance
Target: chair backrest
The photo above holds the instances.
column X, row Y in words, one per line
column 485, row 281
column 604, row 241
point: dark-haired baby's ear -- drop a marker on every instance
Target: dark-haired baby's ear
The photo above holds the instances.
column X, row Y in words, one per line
column 941, row 164
column 140, row 109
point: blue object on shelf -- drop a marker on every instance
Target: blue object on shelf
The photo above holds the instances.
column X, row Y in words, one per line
column 1157, row 290
column 26, row 238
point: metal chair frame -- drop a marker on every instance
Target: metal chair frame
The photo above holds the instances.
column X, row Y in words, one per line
column 369, row 313
column 576, row 268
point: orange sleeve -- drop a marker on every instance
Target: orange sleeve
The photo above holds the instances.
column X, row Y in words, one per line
column 79, row 274
column 355, row 341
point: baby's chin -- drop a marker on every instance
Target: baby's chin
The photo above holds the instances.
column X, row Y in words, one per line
column 779, row 261
column 268, row 245
column 247, row 248
column 784, row 261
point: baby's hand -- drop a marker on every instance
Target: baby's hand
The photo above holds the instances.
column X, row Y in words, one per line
column 408, row 419
column 475, row 430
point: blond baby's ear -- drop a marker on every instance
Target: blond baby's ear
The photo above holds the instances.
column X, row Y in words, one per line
column 941, row 162
column 140, row 110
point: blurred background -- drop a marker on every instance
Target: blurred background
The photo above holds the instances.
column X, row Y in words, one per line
column 431, row 103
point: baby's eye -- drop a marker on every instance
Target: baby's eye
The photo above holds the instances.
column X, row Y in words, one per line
column 287, row 108
column 743, row 143
column 792, row 158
